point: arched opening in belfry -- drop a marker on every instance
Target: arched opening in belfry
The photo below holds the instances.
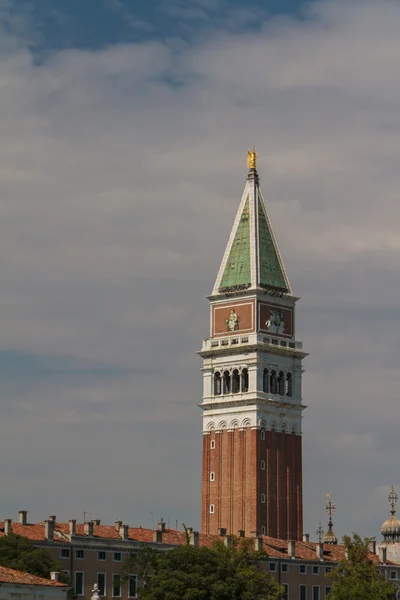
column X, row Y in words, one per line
column 235, row 382
column 245, row 380
column 265, row 381
column 281, row 383
column 227, row 382
column 217, row 384
column 273, row 383
column 289, row 384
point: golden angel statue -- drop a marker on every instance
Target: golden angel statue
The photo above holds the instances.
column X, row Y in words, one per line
column 251, row 159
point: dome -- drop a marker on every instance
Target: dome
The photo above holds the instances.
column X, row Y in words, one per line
column 330, row 537
column 391, row 528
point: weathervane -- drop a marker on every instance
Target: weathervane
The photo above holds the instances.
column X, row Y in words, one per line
column 330, row 508
column 320, row 532
column 393, row 497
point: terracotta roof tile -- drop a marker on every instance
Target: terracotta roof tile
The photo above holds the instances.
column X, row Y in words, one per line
column 274, row 548
column 13, row 576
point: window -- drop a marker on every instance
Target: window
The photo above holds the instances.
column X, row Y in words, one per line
column 212, row 476
column 265, row 380
column 101, row 583
column 65, row 553
column 79, row 554
column 262, row 529
column 272, row 567
column 117, row 557
column 328, row 569
column 303, row 592
column 217, row 384
column 132, row 585
column 284, row 568
column 227, row 382
column 235, row 382
column 303, row 569
column 116, row 586
column 315, row 570
column 101, row 555
column 273, row 383
column 262, row 434
column 315, row 592
column 285, row 591
column 212, row 444
column 66, row 574
column 289, row 384
column 281, row 383
column 262, row 498
column 393, row 575
column 211, row 509
column 245, row 380
column 263, row 465
column 327, row 590
column 78, row 587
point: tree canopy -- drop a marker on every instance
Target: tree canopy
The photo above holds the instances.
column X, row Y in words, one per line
column 217, row 573
column 357, row 577
column 17, row 552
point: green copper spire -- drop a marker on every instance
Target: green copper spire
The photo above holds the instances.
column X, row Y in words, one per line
column 271, row 268
column 237, row 270
column 252, row 258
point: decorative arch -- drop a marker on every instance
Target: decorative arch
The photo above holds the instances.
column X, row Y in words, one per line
column 210, row 426
column 281, row 383
column 246, row 423
column 234, row 424
column 274, row 426
column 283, row 427
column 294, row 429
column 262, row 423
column 222, row 425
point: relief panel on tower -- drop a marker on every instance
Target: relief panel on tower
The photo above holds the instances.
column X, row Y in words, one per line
column 276, row 320
column 233, row 317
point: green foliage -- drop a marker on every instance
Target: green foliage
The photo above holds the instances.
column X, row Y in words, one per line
column 358, row 577
column 17, row 552
column 217, row 573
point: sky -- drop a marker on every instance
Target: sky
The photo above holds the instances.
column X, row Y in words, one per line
column 123, row 142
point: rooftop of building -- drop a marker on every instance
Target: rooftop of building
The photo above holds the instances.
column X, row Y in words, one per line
column 274, row 548
column 19, row 577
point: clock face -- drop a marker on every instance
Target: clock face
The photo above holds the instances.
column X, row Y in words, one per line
column 276, row 320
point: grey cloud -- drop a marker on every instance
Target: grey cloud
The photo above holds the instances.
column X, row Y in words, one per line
column 120, row 174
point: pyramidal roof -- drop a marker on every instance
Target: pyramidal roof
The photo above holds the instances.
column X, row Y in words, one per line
column 252, row 259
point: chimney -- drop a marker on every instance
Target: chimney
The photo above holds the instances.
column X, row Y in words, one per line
column 319, row 549
column 258, row 546
column 96, row 522
column 291, row 549
column 306, row 537
column 240, row 533
column 161, row 526
column 52, row 518
column 72, row 527
column 22, row 517
column 7, row 526
column 222, row 531
column 55, row 576
column 194, row 539
column 382, row 555
column 372, row 546
column 124, row 532
column 49, row 529
column 88, row 528
column 118, row 525
column 157, row 536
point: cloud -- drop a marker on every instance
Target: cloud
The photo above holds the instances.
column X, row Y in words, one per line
column 120, row 173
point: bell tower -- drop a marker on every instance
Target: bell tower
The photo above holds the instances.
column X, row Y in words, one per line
column 252, row 374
